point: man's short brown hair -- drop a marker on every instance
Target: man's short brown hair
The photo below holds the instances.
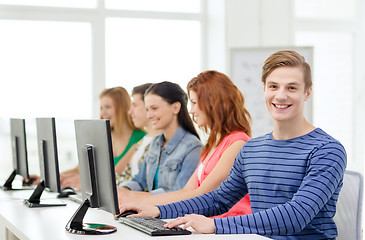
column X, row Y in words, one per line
column 287, row 58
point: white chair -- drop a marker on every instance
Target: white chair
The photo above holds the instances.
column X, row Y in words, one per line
column 349, row 207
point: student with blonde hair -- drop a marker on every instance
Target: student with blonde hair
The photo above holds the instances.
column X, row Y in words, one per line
column 114, row 105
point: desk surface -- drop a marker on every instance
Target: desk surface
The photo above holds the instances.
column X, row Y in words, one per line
column 49, row 223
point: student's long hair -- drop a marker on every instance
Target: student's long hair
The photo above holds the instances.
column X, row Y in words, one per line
column 172, row 93
column 122, row 103
column 223, row 104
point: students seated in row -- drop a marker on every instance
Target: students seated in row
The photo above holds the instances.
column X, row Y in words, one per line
column 174, row 153
column 218, row 108
column 114, row 105
column 138, row 114
column 293, row 174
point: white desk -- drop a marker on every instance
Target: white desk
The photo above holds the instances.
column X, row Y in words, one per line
column 20, row 222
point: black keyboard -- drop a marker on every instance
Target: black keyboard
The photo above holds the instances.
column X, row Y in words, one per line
column 152, row 226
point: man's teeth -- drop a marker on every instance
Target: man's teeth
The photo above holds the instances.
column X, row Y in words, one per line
column 281, row 106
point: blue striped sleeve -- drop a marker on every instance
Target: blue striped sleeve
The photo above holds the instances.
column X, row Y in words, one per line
column 321, row 180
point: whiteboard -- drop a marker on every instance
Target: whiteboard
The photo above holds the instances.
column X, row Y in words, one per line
column 245, row 71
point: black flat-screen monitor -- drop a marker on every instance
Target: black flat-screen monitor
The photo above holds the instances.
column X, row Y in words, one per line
column 48, row 162
column 97, row 176
column 20, row 155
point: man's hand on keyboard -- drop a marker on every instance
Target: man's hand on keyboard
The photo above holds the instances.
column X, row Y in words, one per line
column 144, row 210
column 199, row 223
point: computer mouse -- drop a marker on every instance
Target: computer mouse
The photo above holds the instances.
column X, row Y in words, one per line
column 29, row 181
column 65, row 192
column 128, row 212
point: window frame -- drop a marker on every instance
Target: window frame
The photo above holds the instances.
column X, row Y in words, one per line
column 96, row 17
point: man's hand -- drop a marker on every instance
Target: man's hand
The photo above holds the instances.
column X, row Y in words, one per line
column 199, row 223
column 144, row 210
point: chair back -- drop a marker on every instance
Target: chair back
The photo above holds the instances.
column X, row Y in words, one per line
column 349, row 207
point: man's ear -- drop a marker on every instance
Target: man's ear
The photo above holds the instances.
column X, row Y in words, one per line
column 308, row 93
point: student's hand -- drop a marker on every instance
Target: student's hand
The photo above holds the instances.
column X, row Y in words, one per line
column 144, row 210
column 124, row 195
column 33, row 179
column 64, row 176
column 199, row 223
column 71, row 181
column 127, row 196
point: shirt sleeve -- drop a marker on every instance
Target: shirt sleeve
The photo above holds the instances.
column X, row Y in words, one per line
column 323, row 177
column 213, row 203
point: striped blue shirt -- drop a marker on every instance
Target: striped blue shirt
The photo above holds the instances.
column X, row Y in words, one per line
column 293, row 185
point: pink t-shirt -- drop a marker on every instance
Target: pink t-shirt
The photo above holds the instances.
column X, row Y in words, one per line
column 242, row 207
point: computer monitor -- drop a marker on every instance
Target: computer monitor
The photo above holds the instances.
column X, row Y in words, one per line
column 20, row 155
column 97, row 176
column 48, row 162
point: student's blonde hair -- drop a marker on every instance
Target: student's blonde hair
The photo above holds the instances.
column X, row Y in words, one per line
column 122, row 103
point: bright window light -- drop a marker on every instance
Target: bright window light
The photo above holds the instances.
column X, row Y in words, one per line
column 325, row 9
column 45, row 69
column 191, row 6
column 147, row 50
column 53, row 3
column 45, row 72
column 332, row 80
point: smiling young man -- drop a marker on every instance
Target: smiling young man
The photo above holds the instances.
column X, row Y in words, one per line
column 293, row 174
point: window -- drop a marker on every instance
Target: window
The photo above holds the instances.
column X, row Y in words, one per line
column 53, row 3
column 325, row 9
column 151, row 50
column 46, row 67
column 46, row 72
column 52, row 65
column 192, row 6
column 332, row 79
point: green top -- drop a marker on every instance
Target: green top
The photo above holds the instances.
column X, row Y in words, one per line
column 136, row 136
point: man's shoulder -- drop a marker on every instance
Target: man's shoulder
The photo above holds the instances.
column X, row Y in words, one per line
column 258, row 140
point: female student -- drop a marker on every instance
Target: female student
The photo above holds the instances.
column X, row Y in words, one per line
column 294, row 174
column 114, row 105
column 174, row 153
column 138, row 114
column 217, row 107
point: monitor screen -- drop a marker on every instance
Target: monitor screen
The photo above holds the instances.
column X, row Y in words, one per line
column 19, row 147
column 20, row 156
column 97, row 175
column 47, row 151
column 48, row 162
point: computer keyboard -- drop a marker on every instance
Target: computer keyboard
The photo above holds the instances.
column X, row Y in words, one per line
column 152, row 226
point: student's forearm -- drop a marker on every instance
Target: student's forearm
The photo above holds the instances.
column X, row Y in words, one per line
column 171, row 197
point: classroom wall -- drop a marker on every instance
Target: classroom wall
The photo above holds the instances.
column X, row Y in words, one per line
column 266, row 23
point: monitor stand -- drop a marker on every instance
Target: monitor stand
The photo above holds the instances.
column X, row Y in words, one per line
column 8, row 185
column 76, row 225
column 34, row 200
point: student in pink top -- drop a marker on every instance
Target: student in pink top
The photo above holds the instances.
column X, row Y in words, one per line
column 218, row 108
